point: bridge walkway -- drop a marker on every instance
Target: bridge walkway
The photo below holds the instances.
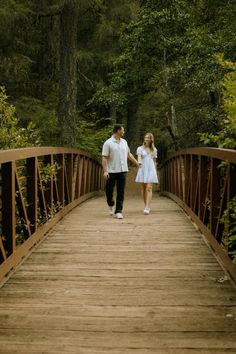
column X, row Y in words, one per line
column 141, row 285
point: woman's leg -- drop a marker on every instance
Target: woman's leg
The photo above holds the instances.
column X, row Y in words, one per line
column 143, row 192
column 148, row 194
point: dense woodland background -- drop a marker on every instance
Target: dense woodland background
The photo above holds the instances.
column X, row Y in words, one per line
column 69, row 69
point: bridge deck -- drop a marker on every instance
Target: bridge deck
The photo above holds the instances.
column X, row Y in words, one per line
column 141, row 285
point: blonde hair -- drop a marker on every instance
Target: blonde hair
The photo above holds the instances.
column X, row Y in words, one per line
column 152, row 146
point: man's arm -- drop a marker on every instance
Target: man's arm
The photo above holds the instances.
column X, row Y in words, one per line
column 105, row 167
column 133, row 159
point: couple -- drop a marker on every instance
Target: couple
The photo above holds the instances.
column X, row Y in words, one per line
column 115, row 153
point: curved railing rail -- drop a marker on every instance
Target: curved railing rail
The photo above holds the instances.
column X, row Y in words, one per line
column 38, row 186
column 203, row 182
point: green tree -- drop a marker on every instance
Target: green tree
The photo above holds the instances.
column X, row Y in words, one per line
column 226, row 136
column 11, row 135
column 169, row 52
column 151, row 65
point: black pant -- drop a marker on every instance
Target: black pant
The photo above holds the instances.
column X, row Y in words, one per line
column 119, row 180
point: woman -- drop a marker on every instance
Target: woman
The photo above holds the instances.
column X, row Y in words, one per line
column 147, row 174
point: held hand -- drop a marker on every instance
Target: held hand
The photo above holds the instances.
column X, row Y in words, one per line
column 139, row 164
column 106, row 176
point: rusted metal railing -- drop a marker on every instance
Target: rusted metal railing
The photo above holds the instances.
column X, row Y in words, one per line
column 38, row 186
column 203, row 182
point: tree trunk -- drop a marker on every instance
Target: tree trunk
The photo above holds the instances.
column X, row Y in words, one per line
column 132, row 134
column 113, row 113
column 68, row 74
column 173, row 120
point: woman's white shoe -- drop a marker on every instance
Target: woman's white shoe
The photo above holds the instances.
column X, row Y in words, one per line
column 146, row 211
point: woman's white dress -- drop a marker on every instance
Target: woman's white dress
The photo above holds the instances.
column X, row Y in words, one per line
column 147, row 173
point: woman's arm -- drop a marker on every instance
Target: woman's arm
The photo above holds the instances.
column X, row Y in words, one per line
column 139, row 159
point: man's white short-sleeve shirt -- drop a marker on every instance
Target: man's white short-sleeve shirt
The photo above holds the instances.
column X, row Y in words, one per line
column 117, row 153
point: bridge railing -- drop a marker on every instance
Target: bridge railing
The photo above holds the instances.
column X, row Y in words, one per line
column 38, row 186
column 203, row 182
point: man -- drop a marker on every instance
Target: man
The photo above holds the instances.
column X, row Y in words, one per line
column 115, row 153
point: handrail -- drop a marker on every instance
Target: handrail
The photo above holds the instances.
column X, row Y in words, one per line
column 203, row 182
column 38, row 186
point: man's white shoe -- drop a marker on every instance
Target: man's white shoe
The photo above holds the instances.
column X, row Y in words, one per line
column 119, row 216
column 111, row 210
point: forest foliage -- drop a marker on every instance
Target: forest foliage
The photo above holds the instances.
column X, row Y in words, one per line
column 71, row 68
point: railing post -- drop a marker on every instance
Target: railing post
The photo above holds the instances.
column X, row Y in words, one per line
column 172, row 176
column 181, row 178
column 187, row 179
column 89, row 175
column 61, row 179
column 49, row 188
column 69, row 171
column 178, row 175
column 214, row 194
column 74, row 175
column 85, row 176
column 174, row 166
column 203, row 175
column 163, row 177
column 95, row 183
column 194, row 181
column 8, row 207
column 32, row 192
column 81, row 182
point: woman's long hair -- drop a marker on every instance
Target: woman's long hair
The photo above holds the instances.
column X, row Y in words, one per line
column 152, row 146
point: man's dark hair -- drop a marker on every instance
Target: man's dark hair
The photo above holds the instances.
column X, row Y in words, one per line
column 117, row 127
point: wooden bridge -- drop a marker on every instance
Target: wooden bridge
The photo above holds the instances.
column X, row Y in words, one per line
column 75, row 280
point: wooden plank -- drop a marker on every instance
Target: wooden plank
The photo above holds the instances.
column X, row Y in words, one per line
column 150, row 320
column 56, row 349
column 137, row 340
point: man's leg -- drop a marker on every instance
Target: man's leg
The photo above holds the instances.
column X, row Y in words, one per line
column 109, row 188
column 120, row 183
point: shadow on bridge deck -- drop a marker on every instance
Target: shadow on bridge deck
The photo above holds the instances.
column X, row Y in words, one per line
column 97, row 285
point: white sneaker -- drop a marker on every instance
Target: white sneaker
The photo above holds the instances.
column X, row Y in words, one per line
column 146, row 211
column 111, row 210
column 119, row 216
